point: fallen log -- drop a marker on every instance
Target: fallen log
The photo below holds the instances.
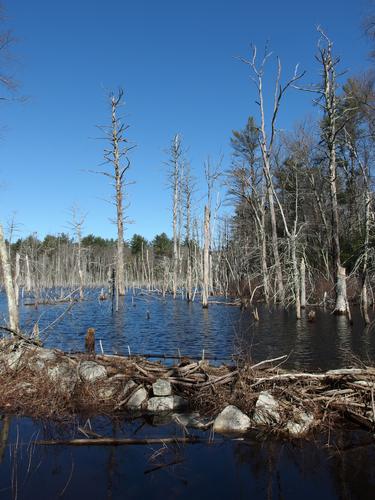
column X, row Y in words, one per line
column 121, row 441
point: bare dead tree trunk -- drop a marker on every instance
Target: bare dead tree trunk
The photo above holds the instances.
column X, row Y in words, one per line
column 303, row 283
column 264, row 268
column 175, row 172
column 188, row 191
column 329, row 105
column 117, row 156
column 367, row 202
column 77, row 223
column 365, row 256
column 17, row 278
column 211, row 177
column 120, row 275
column 206, row 256
column 9, row 286
column 28, row 274
column 266, row 145
column 296, row 277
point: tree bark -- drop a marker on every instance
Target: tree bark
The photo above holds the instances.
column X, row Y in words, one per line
column 206, row 257
column 9, row 286
column 303, row 283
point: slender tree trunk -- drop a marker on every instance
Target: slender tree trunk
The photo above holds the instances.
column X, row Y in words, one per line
column 303, row 283
column 28, row 274
column 340, row 272
column 296, row 277
column 328, row 92
column 120, row 273
column 9, row 286
column 341, row 296
column 206, row 256
column 275, row 247
column 17, row 278
column 264, row 268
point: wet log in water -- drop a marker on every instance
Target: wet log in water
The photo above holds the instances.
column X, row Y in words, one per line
column 120, row 441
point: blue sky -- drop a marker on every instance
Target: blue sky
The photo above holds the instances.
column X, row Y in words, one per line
column 178, row 64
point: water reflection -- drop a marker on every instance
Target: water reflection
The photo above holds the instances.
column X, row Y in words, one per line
column 151, row 324
column 254, row 468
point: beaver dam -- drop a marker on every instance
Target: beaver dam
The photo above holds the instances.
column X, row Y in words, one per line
column 42, row 383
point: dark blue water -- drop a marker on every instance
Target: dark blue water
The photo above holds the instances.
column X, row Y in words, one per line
column 221, row 331
column 260, row 467
column 255, row 468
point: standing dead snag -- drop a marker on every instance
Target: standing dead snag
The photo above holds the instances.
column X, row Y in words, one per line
column 211, row 178
column 328, row 102
column 175, row 163
column 266, row 143
column 9, row 285
column 117, row 156
column 77, row 223
column 90, row 341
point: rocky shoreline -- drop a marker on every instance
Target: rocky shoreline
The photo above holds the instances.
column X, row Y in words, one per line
column 46, row 383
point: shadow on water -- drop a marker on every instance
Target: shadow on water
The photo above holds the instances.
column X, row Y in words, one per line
column 255, row 468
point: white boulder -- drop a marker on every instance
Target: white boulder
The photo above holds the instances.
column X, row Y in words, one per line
column 231, row 419
column 137, row 399
column 162, row 387
column 302, row 422
column 267, row 410
column 90, row 371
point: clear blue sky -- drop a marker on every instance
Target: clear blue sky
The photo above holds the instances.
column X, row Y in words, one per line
column 177, row 61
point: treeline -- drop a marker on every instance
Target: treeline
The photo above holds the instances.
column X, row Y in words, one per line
column 57, row 260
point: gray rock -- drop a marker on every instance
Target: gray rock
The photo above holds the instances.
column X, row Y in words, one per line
column 90, row 371
column 64, row 375
column 162, row 387
column 138, row 398
column 14, row 359
column 42, row 358
column 166, row 403
column 44, row 354
column 35, row 357
column 129, row 386
column 231, row 419
column 267, row 410
column 302, row 422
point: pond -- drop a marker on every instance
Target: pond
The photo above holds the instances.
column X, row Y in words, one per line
column 150, row 324
column 259, row 466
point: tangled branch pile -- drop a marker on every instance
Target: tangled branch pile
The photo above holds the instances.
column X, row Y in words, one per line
column 45, row 383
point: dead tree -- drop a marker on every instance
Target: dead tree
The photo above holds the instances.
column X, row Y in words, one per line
column 367, row 199
column 188, row 188
column 175, row 171
column 212, row 174
column 303, row 283
column 9, row 285
column 266, row 143
column 117, row 155
column 77, row 223
column 328, row 103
